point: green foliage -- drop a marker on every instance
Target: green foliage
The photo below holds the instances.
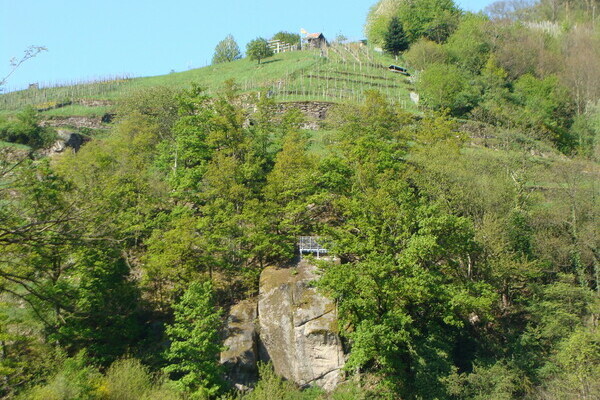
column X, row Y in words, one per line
column 432, row 19
column 75, row 379
column 287, row 37
column 403, row 290
column 289, row 188
column 128, row 379
column 446, row 86
column 271, row 386
column 585, row 133
column 104, row 319
column 424, row 53
column 558, row 309
column 157, row 104
column 402, row 311
column 547, row 108
column 468, row 46
column 577, row 368
column 497, row 381
column 25, row 129
column 125, row 379
column 394, row 41
column 195, row 343
column 258, row 49
column 174, row 257
column 227, row 50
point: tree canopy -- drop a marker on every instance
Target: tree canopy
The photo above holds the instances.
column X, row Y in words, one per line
column 227, row 50
column 258, row 49
column 395, row 41
column 464, row 236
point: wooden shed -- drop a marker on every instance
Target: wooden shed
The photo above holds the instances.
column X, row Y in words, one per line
column 316, row 40
column 398, row 69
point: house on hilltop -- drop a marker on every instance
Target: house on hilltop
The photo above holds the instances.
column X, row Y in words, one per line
column 316, row 40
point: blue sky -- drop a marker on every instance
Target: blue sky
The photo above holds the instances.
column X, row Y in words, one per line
column 89, row 39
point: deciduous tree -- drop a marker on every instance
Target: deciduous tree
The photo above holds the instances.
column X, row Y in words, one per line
column 193, row 353
column 258, row 49
column 227, row 50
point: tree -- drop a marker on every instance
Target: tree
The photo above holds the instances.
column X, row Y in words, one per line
column 546, row 108
column 258, row 49
column 424, row 53
column 432, row 19
column 469, row 46
column 446, row 86
column 287, row 37
column 195, row 343
column 104, row 315
column 227, row 50
column 395, row 41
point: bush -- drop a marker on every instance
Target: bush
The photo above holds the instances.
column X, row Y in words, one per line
column 25, row 129
column 128, row 379
column 272, row 386
column 447, row 86
column 424, row 53
column 74, row 380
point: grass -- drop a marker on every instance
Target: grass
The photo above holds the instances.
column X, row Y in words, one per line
column 248, row 74
column 13, row 145
column 78, row 110
column 341, row 74
column 319, row 141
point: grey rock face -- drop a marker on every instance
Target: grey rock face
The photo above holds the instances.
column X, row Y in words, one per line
column 298, row 327
column 241, row 354
column 294, row 327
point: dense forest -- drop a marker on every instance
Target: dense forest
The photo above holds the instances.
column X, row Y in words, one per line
column 467, row 233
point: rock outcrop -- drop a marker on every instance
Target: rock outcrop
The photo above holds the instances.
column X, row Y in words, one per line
column 76, row 122
column 314, row 111
column 65, row 140
column 294, row 327
column 241, row 355
column 298, row 327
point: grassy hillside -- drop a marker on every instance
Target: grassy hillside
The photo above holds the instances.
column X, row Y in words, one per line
column 340, row 73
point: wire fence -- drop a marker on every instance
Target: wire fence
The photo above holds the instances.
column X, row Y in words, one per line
column 47, row 95
column 344, row 73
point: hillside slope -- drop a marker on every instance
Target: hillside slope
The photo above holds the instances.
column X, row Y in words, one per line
column 341, row 73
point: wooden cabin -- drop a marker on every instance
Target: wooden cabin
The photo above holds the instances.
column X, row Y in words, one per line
column 316, row 40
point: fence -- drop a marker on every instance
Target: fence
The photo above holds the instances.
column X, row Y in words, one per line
column 342, row 76
column 43, row 94
column 280, row 47
column 310, row 245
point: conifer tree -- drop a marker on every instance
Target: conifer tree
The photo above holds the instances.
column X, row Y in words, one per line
column 395, row 40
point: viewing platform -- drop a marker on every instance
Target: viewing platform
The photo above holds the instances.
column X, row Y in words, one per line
column 311, row 245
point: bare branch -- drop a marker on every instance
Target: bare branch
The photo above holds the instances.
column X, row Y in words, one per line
column 15, row 63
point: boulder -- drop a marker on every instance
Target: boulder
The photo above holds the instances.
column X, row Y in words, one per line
column 298, row 327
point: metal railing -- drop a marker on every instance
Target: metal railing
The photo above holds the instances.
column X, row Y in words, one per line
column 311, row 245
